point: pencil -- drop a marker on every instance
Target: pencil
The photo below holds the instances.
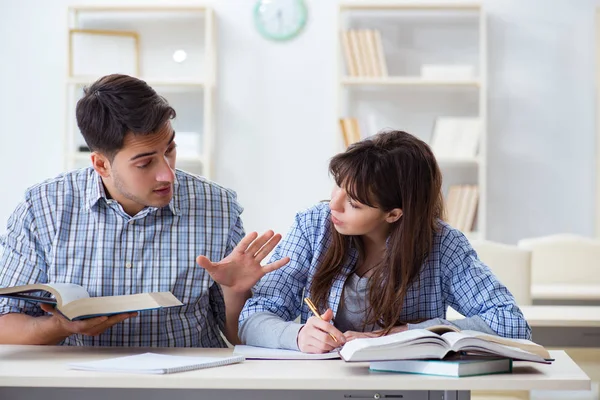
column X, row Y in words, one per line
column 314, row 310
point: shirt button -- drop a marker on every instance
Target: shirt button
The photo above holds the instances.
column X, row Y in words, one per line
column 128, row 265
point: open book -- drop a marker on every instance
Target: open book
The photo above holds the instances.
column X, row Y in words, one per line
column 74, row 302
column 439, row 341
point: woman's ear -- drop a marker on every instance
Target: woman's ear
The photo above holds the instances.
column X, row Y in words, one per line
column 100, row 164
column 393, row 215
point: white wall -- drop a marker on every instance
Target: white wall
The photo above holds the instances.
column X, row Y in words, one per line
column 275, row 111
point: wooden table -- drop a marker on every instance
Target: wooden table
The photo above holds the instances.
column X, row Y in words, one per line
column 32, row 370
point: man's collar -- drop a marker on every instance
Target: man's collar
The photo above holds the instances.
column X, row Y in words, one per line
column 174, row 203
column 95, row 191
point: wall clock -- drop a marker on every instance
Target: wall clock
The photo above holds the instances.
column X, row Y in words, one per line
column 280, row 19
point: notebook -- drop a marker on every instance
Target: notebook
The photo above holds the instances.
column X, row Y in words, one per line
column 152, row 363
column 451, row 367
column 263, row 353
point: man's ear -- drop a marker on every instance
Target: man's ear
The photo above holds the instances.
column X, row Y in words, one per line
column 393, row 215
column 101, row 164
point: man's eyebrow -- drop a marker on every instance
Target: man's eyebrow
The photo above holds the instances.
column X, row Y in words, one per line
column 152, row 152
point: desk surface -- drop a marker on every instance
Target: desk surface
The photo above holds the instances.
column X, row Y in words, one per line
column 46, row 366
column 553, row 316
column 565, row 292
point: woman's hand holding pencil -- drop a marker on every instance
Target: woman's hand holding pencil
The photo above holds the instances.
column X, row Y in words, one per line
column 318, row 335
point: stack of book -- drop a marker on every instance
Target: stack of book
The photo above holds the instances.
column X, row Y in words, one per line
column 461, row 206
column 443, row 350
column 350, row 130
column 363, row 53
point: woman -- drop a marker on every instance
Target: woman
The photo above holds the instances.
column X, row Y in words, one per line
column 378, row 257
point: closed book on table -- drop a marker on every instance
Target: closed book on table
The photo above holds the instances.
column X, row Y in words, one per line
column 456, row 367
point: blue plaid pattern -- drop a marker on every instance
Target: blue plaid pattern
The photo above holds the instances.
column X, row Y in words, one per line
column 66, row 230
column 452, row 276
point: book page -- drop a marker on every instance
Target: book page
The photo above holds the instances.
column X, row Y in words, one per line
column 414, row 343
column 524, row 344
column 63, row 292
column 263, row 353
column 96, row 306
column 68, row 292
column 466, row 341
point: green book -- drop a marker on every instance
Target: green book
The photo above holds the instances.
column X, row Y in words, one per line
column 454, row 366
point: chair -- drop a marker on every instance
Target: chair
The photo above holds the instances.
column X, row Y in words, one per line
column 510, row 264
column 564, row 259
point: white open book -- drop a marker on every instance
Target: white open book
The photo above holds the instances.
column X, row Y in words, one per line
column 74, row 302
column 437, row 342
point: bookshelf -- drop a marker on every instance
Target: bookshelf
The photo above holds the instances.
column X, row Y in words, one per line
column 172, row 48
column 410, row 66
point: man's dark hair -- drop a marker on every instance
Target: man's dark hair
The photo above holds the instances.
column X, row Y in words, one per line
column 115, row 105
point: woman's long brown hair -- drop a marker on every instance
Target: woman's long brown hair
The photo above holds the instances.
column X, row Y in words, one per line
column 389, row 170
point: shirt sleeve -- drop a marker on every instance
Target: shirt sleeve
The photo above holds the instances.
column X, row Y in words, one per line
column 471, row 288
column 217, row 300
column 268, row 330
column 280, row 292
column 22, row 259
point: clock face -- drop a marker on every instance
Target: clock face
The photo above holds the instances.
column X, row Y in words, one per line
column 280, row 19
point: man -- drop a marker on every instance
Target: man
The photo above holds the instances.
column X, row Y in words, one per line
column 128, row 224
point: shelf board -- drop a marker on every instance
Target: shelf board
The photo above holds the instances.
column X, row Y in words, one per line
column 395, row 5
column 82, row 80
column 408, row 81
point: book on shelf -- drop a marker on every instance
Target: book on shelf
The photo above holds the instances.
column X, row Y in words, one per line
column 350, row 130
column 456, row 365
column 153, row 363
column 363, row 53
column 75, row 303
column 456, row 138
column 461, row 206
column 438, row 342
